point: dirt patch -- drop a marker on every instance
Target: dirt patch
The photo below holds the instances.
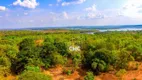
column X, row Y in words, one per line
column 57, row 74
column 106, row 76
column 11, row 77
column 133, row 75
column 39, row 42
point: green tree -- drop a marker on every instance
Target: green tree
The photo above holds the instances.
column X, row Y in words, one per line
column 98, row 65
column 89, row 76
column 58, row 59
column 76, row 57
column 124, row 58
column 28, row 55
column 87, row 60
column 5, row 62
column 62, row 47
column 26, row 44
column 46, row 53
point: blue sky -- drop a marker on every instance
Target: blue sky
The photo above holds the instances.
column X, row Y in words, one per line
column 50, row 13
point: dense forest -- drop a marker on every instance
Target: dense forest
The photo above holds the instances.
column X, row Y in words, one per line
column 26, row 54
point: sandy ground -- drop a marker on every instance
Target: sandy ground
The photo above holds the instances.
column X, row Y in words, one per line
column 133, row 75
column 129, row 75
column 57, row 74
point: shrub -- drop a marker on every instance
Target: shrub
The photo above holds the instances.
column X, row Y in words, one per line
column 62, row 47
column 98, row 65
column 134, row 79
column 76, row 57
column 30, row 75
column 121, row 72
column 4, row 61
column 32, row 68
column 58, row 59
column 89, row 76
column 68, row 72
column 4, row 71
column 26, row 43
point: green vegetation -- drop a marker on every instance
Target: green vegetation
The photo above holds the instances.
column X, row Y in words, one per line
column 30, row 75
column 68, row 72
column 121, row 72
column 89, row 76
column 22, row 52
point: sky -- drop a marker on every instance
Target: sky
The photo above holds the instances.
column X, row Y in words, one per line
column 59, row 13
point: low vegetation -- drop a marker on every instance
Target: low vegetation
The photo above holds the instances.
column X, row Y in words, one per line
column 23, row 55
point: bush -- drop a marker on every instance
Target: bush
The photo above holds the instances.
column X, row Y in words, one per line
column 4, row 61
column 68, row 72
column 121, row 72
column 58, row 59
column 32, row 68
column 89, row 76
column 26, row 43
column 76, row 57
column 30, row 75
column 62, row 47
column 4, row 71
column 98, row 65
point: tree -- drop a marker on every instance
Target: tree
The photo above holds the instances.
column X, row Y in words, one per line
column 26, row 44
column 62, row 48
column 46, row 52
column 98, row 61
column 104, row 55
column 87, row 60
column 48, row 48
column 5, row 65
column 58, row 59
column 29, row 55
column 5, row 62
column 76, row 57
column 89, row 76
column 98, row 65
column 136, row 51
column 124, row 58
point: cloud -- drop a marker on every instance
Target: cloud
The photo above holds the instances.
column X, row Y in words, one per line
column 70, row 2
column 59, row 0
column 2, row 8
column 26, row 3
column 50, row 5
column 91, row 16
column 93, row 13
column 65, row 15
column 92, row 8
column 25, row 13
column 59, row 16
column 132, row 8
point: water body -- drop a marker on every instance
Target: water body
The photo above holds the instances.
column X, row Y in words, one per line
column 109, row 28
column 121, row 29
column 99, row 28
